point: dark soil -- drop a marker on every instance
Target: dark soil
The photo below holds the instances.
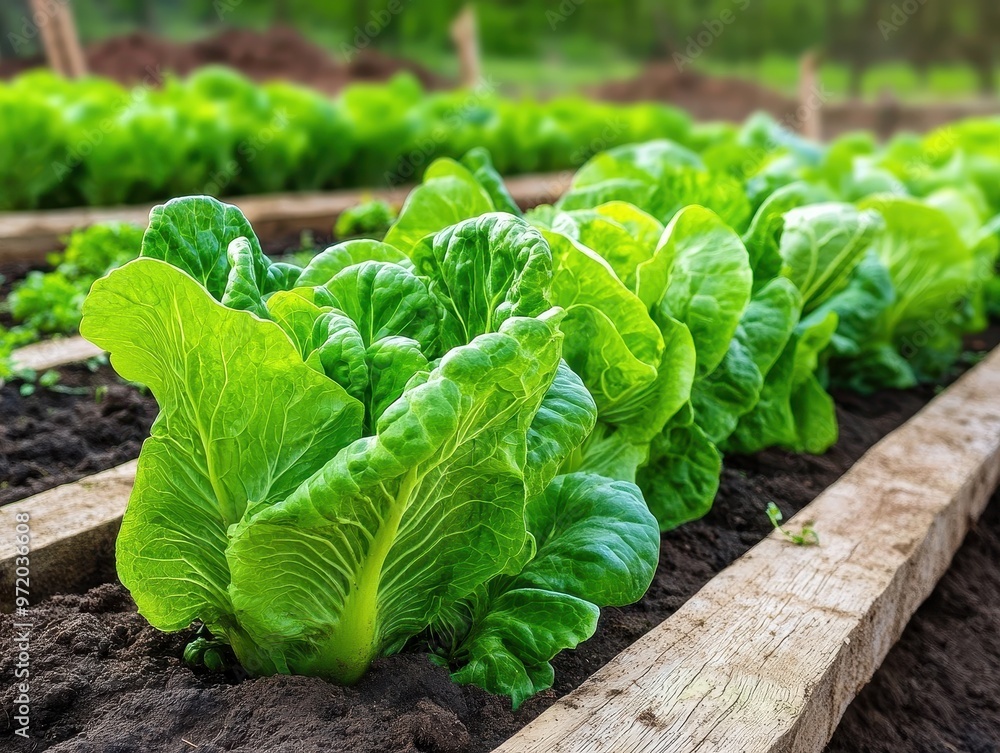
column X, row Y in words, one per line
column 58, row 435
column 939, row 689
column 705, row 97
column 104, row 680
column 278, row 53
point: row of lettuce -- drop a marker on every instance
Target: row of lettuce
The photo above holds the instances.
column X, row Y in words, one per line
column 95, row 143
column 465, row 438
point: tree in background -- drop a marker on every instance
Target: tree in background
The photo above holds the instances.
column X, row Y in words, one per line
column 856, row 33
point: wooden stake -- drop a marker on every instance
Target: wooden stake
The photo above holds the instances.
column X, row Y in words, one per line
column 465, row 35
column 810, row 104
column 60, row 38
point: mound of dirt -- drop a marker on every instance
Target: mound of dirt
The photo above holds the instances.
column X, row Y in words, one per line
column 278, row 53
column 705, row 97
column 734, row 99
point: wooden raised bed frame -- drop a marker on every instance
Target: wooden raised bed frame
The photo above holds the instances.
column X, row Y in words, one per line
column 30, row 236
column 765, row 657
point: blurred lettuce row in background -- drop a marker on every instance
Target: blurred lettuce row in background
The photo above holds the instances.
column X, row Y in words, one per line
column 938, row 195
column 94, row 142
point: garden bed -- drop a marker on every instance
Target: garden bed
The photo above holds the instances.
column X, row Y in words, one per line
column 278, row 219
column 105, row 675
column 91, row 421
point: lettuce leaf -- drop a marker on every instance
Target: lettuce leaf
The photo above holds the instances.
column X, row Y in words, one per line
column 243, row 422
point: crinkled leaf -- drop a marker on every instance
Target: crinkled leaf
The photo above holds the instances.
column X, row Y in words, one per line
column 483, row 271
column 611, row 341
column 709, row 283
column 385, row 299
column 479, row 163
column 763, row 236
column 794, row 411
column 648, row 410
column 597, row 545
column 822, row 244
column 442, row 200
column 612, row 241
column 609, row 451
column 733, row 389
column 596, row 540
column 194, row 234
column 402, row 524
column 565, row 418
column 933, row 272
column 327, row 339
column 392, row 363
column 326, row 264
column 509, row 649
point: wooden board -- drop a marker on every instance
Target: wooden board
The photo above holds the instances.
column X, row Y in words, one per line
column 52, row 354
column 30, row 236
column 72, row 528
column 768, row 655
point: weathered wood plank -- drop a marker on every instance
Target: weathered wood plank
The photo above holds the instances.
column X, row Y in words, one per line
column 73, row 529
column 29, row 236
column 767, row 656
column 52, row 354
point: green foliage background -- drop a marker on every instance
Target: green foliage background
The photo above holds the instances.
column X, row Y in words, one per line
column 855, row 34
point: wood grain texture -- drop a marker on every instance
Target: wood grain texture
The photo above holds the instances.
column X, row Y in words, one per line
column 767, row 656
column 73, row 529
column 51, row 354
column 30, row 236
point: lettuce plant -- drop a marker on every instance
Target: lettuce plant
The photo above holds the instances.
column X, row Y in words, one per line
column 50, row 302
column 364, row 455
column 653, row 325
